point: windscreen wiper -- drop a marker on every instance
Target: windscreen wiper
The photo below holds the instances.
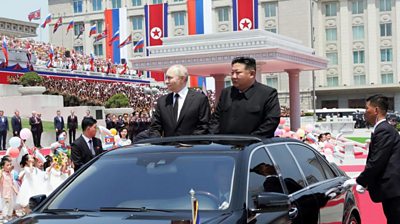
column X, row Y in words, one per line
column 61, row 210
column 124, row 209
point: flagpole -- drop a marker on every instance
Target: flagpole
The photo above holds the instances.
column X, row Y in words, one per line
column 62, row 36
column 40, row 27
column 192, row 200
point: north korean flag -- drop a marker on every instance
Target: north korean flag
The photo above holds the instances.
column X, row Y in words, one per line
column 109, row 140
column 34, row 15
column 57, row 24
column 245, row 14
column 156, row 21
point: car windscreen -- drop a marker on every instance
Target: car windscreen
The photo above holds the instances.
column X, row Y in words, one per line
column 153, row 181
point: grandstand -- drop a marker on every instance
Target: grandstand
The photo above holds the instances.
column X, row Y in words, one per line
column 61, row 62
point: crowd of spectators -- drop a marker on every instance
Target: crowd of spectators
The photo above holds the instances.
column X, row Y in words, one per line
column 65, row 58
column 141, row 97
column 96, row 93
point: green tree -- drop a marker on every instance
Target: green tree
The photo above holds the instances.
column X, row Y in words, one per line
column 117, row 101
column 31, row 79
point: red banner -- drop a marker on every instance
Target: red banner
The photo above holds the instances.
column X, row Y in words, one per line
column 245, row 14
column 156, row 20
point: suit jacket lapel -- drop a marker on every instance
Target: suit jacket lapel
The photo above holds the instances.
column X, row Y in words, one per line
column 96, row 147
column 85, row 146
column 186, row 104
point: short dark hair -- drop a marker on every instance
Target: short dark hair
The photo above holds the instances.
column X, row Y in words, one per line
column 88, row 122
column 24, row 160
column 248, row 61
column 380, row 101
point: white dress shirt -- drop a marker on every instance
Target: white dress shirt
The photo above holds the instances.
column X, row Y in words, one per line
column 89, row 144
column 182, row 96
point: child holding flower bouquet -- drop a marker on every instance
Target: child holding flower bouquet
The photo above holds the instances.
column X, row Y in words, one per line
column 55, row 171
column 32, row 180
column 8, row 188
column 58, row 168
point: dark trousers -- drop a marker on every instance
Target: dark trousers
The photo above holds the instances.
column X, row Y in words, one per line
column 36, row 138
column 72, row 134
column 3, row 138
column 39, row 134
column 16, row 134
column 58, row 133
column 391, row 208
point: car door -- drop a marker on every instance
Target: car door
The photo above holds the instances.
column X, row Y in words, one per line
column 304, row 204
column 261, row 170
column 322, row 180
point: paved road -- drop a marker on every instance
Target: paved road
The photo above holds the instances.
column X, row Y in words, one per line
column 359, row 132
column 46, row 140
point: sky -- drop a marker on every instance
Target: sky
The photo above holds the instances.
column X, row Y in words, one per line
column 19, row 10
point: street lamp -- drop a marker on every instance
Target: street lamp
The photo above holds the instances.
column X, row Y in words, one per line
column 314, row 98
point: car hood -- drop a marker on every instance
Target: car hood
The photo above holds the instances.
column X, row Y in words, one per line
column 126, row 217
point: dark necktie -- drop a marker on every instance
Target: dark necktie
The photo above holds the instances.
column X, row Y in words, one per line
column 176, row 106
column 91, row 147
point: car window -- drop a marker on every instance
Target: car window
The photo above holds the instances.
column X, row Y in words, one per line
column 262, row 175
column 328, row 170
column 308, row 162
column 157, row 181
column 287, row 167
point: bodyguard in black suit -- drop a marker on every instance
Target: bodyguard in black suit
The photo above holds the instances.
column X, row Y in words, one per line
column 87, row 146
column 3, row 130
column 58, row 124
column 72, row 125
column 381, row 175
column 181, row 112
column 35, row 124
column 16, row 123
column 247, row 107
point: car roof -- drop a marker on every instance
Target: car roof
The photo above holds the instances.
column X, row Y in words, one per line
column 200, row 143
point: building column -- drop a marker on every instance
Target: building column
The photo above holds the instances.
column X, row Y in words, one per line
column 259, row 72
column 372, row 49
column 395, row 44
column 294, row 96
column 345, row 45
column 219, row 85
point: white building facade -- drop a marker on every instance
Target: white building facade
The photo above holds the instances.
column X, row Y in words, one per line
column 359, row 37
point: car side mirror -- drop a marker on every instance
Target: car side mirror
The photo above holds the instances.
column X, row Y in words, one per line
column 34, row 201
column 271, row 202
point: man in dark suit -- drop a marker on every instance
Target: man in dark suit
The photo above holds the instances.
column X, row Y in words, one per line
column 87, row 146
column 181, row 112
column 58, row 124
column 35, row 123
column 381, row 175
column 3, row 130
column 72, row 125
column 16, row 123
column 247, row 107
column 40, row 129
